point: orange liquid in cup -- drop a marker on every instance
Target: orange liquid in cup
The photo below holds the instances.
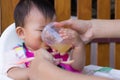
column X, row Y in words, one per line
column 62, row 48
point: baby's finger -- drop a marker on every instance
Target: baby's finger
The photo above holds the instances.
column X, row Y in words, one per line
column 64, row 36
column 25, row 60
column 62, row 54
column 57, row 61
column 67, row 62
column 62, row 31
column 54, row 52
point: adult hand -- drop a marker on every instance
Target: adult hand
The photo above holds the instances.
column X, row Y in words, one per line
column 42, row 57
column 83, row 27
column 42, row 69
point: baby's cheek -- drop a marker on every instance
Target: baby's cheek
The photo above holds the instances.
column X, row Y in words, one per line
column 36, row 46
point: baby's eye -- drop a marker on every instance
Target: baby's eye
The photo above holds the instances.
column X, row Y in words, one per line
column 40, row 30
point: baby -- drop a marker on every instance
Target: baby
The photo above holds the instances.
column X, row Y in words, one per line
column 31, row 16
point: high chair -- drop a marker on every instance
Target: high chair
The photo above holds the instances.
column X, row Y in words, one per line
column 8, row 40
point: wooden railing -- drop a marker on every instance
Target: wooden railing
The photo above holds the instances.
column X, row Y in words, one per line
column 7, row 9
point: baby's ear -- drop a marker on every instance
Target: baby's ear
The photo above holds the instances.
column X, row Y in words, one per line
column 20, row 32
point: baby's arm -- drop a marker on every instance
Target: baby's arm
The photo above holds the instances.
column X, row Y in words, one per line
column 13, row 70
column 18, row 73
column 78, row 52
column 78, row 55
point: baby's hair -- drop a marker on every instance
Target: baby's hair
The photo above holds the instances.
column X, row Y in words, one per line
column 24, row 6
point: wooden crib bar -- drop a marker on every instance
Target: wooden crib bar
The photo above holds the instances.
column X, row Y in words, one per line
column 63, row 9
column 117, row 49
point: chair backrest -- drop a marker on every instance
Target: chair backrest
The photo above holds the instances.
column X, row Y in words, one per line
column 8, row 40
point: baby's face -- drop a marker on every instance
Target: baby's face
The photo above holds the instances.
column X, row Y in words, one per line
column 34, row 24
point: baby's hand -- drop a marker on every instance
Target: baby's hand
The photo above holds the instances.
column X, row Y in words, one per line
column 71, row 36
column 44, row 54
column 60, row 60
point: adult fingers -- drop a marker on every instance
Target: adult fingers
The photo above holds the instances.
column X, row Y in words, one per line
column 66, row 23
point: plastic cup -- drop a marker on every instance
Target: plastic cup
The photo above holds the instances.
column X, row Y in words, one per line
column 50, row 35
